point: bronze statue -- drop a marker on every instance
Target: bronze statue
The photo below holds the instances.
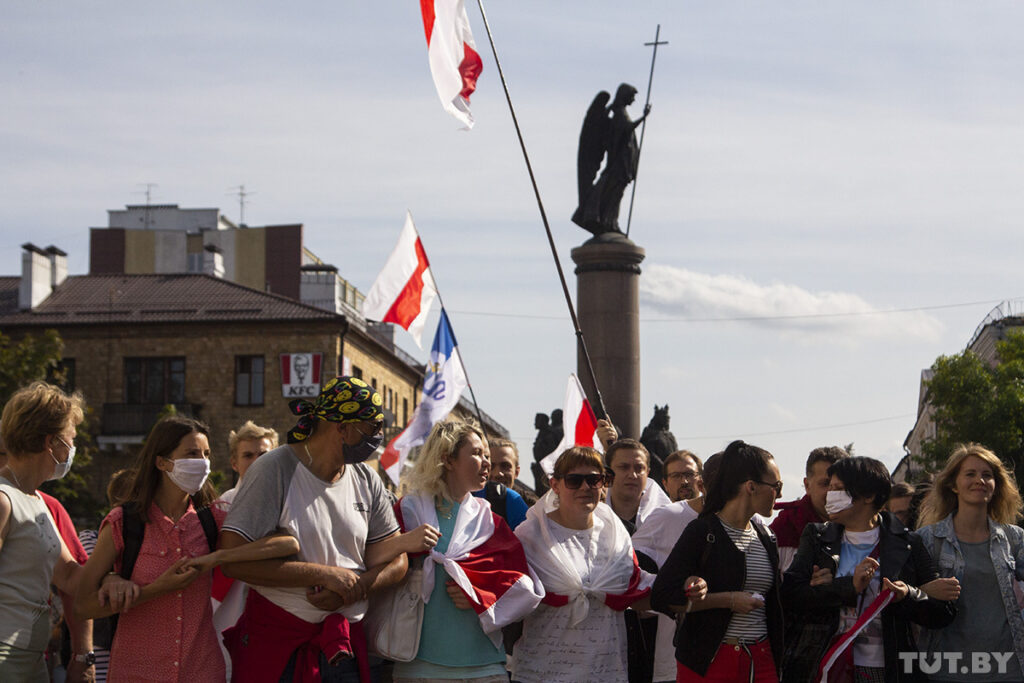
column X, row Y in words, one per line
column 659, row 441
column 607, row 134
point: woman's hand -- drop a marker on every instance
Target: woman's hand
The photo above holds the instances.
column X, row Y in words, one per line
column 943, row 589
column 176, row 577
column 821, row 577
column 696, row 588
column 743, row 602
column 863, row 572
column 324, row 599
column 457, row 596
column 899, row 589
column 423, row 537
column 119, row 592
column 205, row 563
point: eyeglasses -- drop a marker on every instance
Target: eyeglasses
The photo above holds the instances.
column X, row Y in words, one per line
column 376, row 429
column 688, row 476
column 574, row 481
column 777, row 485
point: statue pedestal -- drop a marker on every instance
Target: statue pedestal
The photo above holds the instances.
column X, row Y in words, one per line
column 607, row 279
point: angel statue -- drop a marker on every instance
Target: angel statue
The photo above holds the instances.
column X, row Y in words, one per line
column 606, row 130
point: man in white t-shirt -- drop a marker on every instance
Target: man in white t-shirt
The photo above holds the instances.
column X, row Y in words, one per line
column 683, row 479
column 316, row 489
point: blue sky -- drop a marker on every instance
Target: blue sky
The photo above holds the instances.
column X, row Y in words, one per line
column 802, row 158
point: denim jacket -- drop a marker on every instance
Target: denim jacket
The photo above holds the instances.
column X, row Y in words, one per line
column 1006, row 546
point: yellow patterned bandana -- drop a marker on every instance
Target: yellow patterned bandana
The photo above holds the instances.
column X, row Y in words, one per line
column 343, row 399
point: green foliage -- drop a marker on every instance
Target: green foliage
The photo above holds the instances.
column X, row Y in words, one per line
column 30, row 359
column 974, row 402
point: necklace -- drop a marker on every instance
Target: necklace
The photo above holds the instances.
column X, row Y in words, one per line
column 308, row 454
column 8, row 468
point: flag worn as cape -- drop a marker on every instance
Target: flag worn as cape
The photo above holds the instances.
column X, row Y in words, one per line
column 484, row 558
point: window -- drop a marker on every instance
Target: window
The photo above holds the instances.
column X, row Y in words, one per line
column 405, row 412
column 154, row 380
column 357, row 372
column 249, row 380
column 63, row 375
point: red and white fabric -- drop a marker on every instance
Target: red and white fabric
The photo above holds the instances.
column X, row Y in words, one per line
column 454, row 62
column 840, row 654
column 579, row 422
column 484, row 558
column 404, row 288
column 614, row 577
column 650, row 500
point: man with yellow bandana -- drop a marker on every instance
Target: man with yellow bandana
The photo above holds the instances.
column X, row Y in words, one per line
column 302, row 616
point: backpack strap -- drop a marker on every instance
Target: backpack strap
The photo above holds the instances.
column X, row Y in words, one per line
column 133, row 530
column 209, row 526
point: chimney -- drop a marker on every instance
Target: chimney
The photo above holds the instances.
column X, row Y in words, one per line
column 36, row 276
column 213, row 261
column 58, row 266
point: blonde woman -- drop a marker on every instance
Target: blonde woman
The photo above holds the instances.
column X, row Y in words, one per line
column 475, row 579
column 967, row 523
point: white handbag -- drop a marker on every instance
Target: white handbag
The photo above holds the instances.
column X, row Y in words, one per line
column 394, row 618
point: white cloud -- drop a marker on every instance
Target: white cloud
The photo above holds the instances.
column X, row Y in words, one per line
column 685, row 294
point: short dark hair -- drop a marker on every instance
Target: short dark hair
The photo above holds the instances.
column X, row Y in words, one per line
column 864, row 478
column 829, row 454
column 626, row 444
column 739, row 463
column 676, row 456
column 901, row 489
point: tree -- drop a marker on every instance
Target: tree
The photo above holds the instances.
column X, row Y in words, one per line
column 975, row 402
column 34, row 358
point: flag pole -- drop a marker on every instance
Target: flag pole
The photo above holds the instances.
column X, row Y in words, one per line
column 458, row 351
column 599, row 403
column 643, row 126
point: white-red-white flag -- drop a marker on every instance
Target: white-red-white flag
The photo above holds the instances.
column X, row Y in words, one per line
column 404, row 289
column 454, row 62
column 579, row 424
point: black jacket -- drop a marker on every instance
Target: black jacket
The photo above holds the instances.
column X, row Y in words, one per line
column 705, row 550
column 813, row 611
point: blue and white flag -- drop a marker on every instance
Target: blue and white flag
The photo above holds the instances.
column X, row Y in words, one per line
column 442, row 387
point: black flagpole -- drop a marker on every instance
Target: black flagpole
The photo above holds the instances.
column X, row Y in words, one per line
column 643, row 126
column 599, row 402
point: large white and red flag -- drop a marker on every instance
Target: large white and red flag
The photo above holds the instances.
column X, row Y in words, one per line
column 579, row 424
column 454, row 62
column 404, row 289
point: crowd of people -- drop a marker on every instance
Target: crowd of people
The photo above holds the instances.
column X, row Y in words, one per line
column 310, row 569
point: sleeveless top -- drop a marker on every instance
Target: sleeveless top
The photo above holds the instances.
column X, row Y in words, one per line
column 27, row 558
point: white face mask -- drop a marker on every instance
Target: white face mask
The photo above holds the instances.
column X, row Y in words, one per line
column 61, row 469
column 189, row 474
column 837, row 501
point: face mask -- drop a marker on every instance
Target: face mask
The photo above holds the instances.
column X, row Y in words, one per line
column 364, row 449
column 190, row 474
column 837, row 501
column 62, row 468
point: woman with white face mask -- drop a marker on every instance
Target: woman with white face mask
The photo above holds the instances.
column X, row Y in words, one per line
column 842, row 575
column 38, row 428
column 167, row 634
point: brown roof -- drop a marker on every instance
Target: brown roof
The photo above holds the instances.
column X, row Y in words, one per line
column 91, row 299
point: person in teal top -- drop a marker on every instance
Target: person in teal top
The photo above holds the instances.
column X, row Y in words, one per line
column 453, row 645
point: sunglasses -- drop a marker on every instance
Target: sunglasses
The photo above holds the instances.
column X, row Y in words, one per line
column 574, row 481
column 777, row 485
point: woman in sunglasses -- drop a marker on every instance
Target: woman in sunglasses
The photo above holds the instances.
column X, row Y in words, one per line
column 583, row 556
column 723, row 576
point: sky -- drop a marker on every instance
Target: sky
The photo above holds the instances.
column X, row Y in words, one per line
column 828, row 194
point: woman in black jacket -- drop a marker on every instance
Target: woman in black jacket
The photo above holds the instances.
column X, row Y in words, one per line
column 843, row 565
column 723, row 576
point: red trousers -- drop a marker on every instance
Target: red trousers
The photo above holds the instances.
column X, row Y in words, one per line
column 732, row 664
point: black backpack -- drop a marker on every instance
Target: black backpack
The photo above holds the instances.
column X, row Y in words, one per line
column 133, row 530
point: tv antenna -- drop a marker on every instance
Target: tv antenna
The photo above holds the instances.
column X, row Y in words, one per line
column 146, row 216
column 242, row 193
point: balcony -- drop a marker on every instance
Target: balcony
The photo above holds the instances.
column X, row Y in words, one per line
column 136, row 419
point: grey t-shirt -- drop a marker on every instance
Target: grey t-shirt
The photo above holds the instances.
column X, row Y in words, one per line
column 333, row 522
column 980, row 624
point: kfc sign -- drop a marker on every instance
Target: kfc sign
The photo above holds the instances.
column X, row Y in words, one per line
column 300, row 374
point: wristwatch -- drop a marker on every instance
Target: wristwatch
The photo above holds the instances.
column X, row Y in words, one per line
column 89, row 658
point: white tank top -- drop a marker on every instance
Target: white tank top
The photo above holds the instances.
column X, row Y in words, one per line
column 27, row 559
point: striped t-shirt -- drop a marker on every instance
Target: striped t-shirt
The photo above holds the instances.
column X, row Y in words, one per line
column 759, row 577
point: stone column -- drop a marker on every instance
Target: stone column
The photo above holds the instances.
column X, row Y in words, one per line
column 607, row 277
